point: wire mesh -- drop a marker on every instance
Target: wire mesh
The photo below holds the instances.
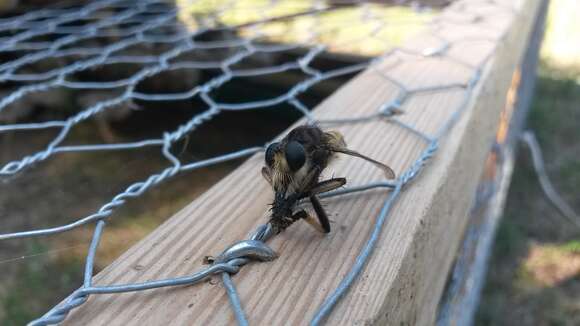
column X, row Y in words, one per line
column 160, row 38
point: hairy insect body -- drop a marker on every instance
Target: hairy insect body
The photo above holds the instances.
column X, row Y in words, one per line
column 293, row 169
column 296, row 169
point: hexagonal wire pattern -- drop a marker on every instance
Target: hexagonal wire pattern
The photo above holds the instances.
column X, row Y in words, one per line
column 125, row 24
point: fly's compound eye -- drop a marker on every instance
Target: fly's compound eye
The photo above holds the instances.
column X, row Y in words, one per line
column 270, row 153
column 295, row 155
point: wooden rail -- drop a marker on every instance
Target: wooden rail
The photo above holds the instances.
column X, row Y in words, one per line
column 403, row 281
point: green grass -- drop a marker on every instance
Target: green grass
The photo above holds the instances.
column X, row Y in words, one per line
column 532, row 279
column 572, row 246
column 349, row 29
column 534, row 273
column 35, row 281
column 509, row 238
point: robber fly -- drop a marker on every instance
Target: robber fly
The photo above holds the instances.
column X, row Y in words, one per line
column 293, row 168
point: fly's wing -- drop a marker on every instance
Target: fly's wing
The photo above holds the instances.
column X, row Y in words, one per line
column 337, row 144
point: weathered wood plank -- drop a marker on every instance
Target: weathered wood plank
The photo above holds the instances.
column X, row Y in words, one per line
column 404, row 278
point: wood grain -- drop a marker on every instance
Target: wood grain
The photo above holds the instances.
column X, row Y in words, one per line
column 404, row 278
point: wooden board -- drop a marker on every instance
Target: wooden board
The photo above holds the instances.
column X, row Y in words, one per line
column 404, row 278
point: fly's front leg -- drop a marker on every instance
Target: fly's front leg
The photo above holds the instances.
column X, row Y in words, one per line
column 301, row 215
column 321, row 187
column 321, row 214
column 281, row 224
column 311, row 221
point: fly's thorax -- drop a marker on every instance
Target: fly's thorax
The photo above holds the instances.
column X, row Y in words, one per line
column 334, row 139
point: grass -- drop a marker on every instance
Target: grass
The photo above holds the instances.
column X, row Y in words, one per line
column 372, row 29
column 534, row 273
column 34, row 281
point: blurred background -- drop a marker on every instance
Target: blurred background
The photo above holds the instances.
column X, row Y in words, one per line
column 534, row 275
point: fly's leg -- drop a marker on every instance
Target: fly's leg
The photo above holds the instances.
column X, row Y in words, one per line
column 321, row 187
column 281, row 224
column 321, row 214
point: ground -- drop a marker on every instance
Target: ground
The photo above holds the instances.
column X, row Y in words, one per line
column 534, row 274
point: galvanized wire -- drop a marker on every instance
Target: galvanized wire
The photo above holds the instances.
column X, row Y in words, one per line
column 550, row 191
column 126, row 24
